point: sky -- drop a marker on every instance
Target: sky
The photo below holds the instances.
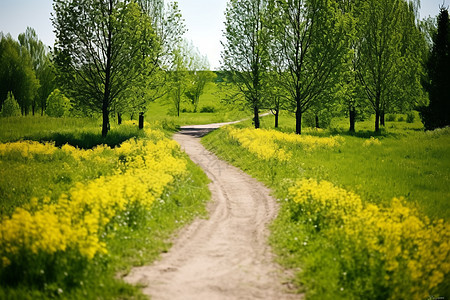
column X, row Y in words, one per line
column 203, row 18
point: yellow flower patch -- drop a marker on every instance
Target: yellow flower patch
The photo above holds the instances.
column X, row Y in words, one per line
column 78, row 219
column 411, row 251
column 272, row 144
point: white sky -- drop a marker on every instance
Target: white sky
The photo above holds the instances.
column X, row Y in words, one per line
column 204, row 21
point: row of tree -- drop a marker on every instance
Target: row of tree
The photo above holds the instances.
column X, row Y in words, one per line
column 26, row 71
column 110, row 57
column 310, row 55
column 117, row 56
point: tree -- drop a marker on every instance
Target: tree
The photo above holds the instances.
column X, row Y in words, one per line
column 310, row 39
column 169, row 26
column 179, row 75
column 10, row 106
column 437, row 113
column 100, row 49
column 199, row 76
column 46, row 77
column 42, row 66
column 16, row 73
column 245, row 56
column 388, row 59
column 58, row 105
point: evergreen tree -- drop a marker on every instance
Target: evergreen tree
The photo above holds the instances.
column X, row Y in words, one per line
column 437, row 113
column 10, row 107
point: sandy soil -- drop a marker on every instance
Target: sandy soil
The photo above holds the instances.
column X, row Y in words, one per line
column 225, row 256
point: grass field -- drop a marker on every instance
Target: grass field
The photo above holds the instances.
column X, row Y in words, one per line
column 340, row 250
column 38, row 177
column 211, row 99
column 337, row 262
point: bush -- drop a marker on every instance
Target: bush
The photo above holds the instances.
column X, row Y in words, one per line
column 401, row 119
column 10, row 107
column 410, row 117
column 391, row 117
column 207, row 109
column 309, row 119
column 58, row 105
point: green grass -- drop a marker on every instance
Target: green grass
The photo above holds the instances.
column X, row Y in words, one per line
column 409, row 163
column 131, row 246
column 138, row 244
column 16, row 128
column 162, row 109
column 83, row 133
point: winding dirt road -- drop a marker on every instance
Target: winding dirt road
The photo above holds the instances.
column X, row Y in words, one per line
column 227, row 255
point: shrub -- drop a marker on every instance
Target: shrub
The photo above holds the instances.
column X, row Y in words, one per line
column 391, row 117
column 58, row 105
column 410, row 117
column 401, row 119
column 324, row 118
column 10, row 107
column 207, row 109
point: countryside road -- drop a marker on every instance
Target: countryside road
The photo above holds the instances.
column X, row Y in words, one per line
column 227, row 255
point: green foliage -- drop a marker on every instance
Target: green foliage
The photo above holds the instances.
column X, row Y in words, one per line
column 179, row 75
column 42, row 66
column 57, row 105
column 391, row 118
column 389, row 37
column 410, row 117
column 302, row 32
column 16, row 73
column 207, row 109
column 245, row 56
column 199, row 80
column 103, row 49
column 10, row 107
column 437, row 113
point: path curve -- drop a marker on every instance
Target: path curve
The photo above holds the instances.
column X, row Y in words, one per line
column 225, row 256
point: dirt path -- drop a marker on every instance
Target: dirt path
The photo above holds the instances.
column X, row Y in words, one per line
column 225, row 256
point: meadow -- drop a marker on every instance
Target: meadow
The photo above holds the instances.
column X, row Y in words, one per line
column 74, row 215
column 362, row 216
column 212, row 108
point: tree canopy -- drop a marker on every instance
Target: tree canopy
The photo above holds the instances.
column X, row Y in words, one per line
column 437, row 83
column 101, row 50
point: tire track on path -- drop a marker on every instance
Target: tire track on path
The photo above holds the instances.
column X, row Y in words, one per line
column 225, row 256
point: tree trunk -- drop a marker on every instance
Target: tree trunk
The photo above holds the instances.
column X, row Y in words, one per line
column 141, row 120
column 382, row 118
column 119, row 118
column 256, row 116
column 298, row 119
column 377, row 112
column 377, row 121
column 277, row 113
column 196, row 101
column 352, row 114
column 107, row 91
column 105, row 124
column 317, row 121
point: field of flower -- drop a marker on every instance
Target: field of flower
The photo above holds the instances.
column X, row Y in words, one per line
column 347, row 225
column 86, row 214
